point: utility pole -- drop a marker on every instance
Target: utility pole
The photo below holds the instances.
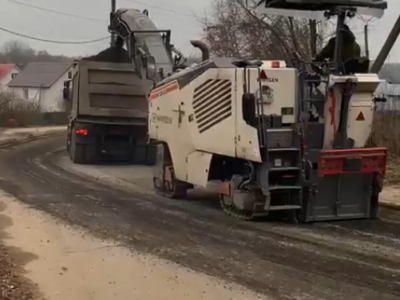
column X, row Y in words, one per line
column 113, row 9
column 366, row 40
column 313, row 37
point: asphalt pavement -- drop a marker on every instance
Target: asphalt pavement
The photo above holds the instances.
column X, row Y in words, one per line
column 338, row 260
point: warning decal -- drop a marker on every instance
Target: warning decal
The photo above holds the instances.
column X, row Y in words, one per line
column 360, row 117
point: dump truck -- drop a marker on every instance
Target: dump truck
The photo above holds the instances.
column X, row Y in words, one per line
column 108, row 91
column 108, row 114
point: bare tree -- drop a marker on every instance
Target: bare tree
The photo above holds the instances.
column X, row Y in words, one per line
column 21, row 53
column 233, row 29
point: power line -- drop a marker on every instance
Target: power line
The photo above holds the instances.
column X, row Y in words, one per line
column 53, row 41
column 162, row 8
column 55, row 11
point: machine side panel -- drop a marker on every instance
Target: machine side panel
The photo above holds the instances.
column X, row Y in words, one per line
column 198, row 164
column 169, row 108
column 361, row 109
column 211, row 111
column 111, row 90
column 275, row 92
column 247, row 143
column 360, row 119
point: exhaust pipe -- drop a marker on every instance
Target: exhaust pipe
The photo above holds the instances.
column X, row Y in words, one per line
column 203, row 48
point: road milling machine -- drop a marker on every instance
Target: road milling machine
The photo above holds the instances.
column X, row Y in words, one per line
column 108, row 91
column 238, row 127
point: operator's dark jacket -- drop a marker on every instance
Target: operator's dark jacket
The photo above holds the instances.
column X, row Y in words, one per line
column 350, row 48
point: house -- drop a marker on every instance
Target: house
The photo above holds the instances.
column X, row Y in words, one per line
column 7, row 73
column 391, row 88
column 43, row 82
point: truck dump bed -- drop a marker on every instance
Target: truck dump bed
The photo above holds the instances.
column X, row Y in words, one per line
column 109, row 90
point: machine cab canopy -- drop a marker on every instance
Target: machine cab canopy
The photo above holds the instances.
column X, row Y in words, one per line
column 314, row 9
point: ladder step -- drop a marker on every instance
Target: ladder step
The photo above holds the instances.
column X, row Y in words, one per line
column 278, row 169
column 284, row 207
column 314, row 100
column 284, row 187
column 282, row 149
column 280, row 130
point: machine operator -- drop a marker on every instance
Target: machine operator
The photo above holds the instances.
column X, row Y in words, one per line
column 350, row 48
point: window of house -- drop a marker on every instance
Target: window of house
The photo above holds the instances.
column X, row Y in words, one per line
column 26, row 93
column 70, row 75
column 13, row 75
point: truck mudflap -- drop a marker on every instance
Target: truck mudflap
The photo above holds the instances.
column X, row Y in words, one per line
column 345, row 184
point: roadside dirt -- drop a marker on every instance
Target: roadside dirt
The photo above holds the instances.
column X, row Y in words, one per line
column 68, row 263
column 13, row 285
column 16, row 136
column 391, row 195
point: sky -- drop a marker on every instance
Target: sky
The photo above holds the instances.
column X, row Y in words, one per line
column 182, row 17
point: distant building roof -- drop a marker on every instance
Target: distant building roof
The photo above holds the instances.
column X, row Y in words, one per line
column 5, row 69
column 36, row 75
column 391, row 73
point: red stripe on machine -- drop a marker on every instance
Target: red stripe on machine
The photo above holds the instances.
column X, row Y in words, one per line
column 162, row 90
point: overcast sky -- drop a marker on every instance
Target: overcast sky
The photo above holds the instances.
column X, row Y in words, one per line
column 177, row 15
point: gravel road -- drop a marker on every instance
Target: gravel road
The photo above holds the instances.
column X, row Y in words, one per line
column 341, row 260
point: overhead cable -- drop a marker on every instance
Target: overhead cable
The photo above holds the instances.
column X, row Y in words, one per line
column 55, row 11
column 53, row 41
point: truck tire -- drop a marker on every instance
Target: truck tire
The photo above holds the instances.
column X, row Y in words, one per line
column 90, row 154
column 374, row 207
column 77, row 153
column 83, row 154
column 68, row 146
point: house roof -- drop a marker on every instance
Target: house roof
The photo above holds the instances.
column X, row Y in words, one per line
column 5, row 69
column 40, row 74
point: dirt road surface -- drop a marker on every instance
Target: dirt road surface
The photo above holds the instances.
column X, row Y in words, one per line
column 341, row 260
column 68, row 263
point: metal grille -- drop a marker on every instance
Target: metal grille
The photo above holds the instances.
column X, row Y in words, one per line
column 212, row 103
column 277, row 138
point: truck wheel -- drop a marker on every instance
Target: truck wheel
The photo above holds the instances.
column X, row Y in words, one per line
column 90, row 154
column 83, row 154
column 78, row 154
column 68, row 147
column 76, row 151
column 374, row 207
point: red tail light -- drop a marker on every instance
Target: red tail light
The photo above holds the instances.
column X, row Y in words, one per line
column 81, row 132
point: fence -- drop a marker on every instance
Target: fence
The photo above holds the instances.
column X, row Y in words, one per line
column 50, row 118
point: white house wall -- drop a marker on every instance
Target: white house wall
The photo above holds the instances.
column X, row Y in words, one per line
column 52, row 98
column 33, row 93
column 49, row 99
column 6, row 79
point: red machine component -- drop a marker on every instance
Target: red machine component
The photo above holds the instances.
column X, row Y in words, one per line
column 350, row 161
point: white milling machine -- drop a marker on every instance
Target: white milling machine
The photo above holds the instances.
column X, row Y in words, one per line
column 237, row 127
